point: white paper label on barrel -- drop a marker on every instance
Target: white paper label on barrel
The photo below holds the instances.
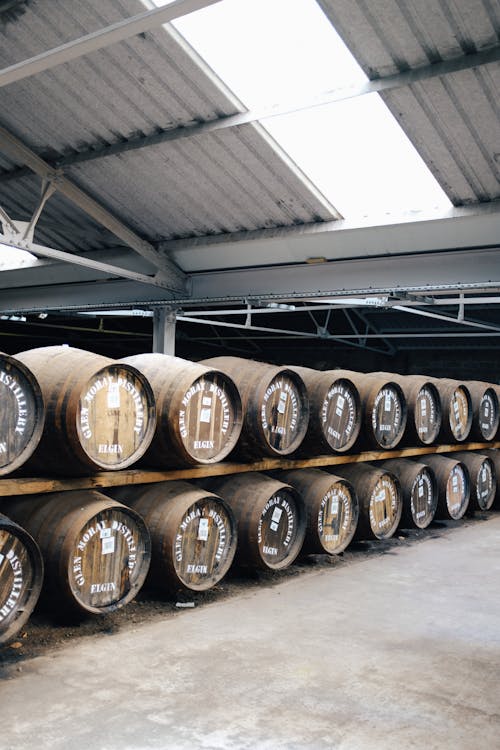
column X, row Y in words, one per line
column 2, row 558
column 340, row 406
column 423, row 407
column 486, row 409
column 454, row 482
column 108, row 545
column 380, row 496
column 420, row 487
column 206, row 401
column 277, row 513
column 456, row 408
column 387, row 403
column 113, row 396
column 335, row 505
column 105, row 533
column 205, row 415
column 282, row 402
column 203, row 530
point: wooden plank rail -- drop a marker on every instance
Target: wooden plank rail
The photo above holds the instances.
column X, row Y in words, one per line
column 36, row 485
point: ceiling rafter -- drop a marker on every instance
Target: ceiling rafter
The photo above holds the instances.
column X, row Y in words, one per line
column 169, row 274
column 398, row 80
column 100, row 39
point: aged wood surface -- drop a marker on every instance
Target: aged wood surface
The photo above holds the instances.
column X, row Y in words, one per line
column 453, row 486
column 21, row 577
column 193, row 533
column 419, row 488
column 199, row 414
column 35, row 485
column 275, row 406
column 270, row 516
column 21, row 413
column 96, row 550
column 99, row 414
column 332, row 509
column 483, row 479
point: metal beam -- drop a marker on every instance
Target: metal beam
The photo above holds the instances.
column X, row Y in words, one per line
column 447, row 318
column 18, row 151
column 164, row 324
column 476, row 226
column 112, row 34
column 78, row 260
column 397, row 80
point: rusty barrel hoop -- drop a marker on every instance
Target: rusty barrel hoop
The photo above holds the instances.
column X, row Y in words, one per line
column 275, row 406
column 334, row 412
column 100, row 414
column 453, row 486
column 384, row 409
column 199, row 413
column 485, row 410
column 419, row 490
column 380, row 499
column 332, row 509
column 270, row 515
column 193, row 534
column 21, row 577
column 483, row 478
column 96, row 551
column 22, row 413
column 456, row 406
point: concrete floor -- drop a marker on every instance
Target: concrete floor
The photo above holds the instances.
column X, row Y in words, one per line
column 393, row 651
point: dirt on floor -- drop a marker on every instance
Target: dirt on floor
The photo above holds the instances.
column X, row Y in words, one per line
column 46, row 631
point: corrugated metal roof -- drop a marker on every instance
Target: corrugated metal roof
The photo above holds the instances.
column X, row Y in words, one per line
column 453, row 121
column 208, row 184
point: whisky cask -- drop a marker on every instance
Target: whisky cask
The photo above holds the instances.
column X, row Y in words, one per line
column 494, row 455
column 483, row 478
column 384, row 409
column 270, row 516
column 453, row 486
column 21, row 577
column 100, row 414
column 275, row 406
column 193, row 534
column 22, row 413
column 424, row 408
column 198, row 411
column 380, row 499
column 456, row 407
column 334, row 412
column 485, row 410
column 419, row 490
column 96, row 551
column 332, row 509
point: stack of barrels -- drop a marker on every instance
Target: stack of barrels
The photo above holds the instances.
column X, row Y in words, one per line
column 68, row 412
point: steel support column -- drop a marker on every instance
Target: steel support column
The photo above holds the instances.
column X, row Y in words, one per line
column 164, row 324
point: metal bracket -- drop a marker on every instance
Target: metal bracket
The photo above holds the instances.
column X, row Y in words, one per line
column 49, row 187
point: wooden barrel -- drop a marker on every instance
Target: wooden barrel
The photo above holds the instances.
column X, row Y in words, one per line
column 334, row 412
column 275, row 406
column 270, row 516
column 198, row 411
column 483, row 478
column 380, row 499
column 453, row 486
column 419, row 490
column 456, row 407
column 384, row 409
column 494, row 455
column 193, row 534
column 21, row 577
column 100, row 414
column 332, row 509
column 21, row 416
column 485, row 410
column 424, row 408
column 96, row 551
